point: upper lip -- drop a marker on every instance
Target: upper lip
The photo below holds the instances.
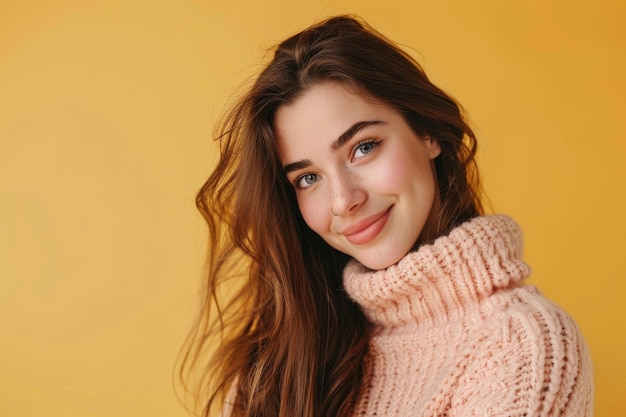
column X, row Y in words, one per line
column 363, row 224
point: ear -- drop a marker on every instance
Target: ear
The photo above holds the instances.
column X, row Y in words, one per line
column 433, row 147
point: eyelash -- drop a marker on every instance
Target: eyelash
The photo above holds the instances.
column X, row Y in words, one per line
column 297, row 181
column 372, row 142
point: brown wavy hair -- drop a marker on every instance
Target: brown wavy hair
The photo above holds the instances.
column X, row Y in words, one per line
column 285, row 340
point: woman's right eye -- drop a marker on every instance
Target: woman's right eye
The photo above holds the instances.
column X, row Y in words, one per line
column 306, row 180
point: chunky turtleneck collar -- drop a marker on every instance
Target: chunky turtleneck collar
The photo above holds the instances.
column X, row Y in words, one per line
column 476, row 259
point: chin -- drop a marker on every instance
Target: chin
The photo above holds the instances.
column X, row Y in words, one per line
column 381, row 263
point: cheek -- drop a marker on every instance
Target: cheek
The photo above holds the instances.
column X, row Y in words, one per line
column 314, row 213
column 415, row 166
column 398, row 172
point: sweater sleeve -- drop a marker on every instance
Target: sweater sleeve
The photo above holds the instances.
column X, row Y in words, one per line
column 531, row 362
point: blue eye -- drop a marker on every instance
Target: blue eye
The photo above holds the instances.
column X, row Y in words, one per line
column 306, row 180
column 364, row 147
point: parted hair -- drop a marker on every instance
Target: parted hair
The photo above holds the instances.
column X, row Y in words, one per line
column 277, row 336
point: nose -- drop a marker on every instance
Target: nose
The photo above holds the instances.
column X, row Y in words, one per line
column 347, row 195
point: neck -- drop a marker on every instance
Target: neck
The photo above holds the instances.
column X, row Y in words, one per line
column 470, row 263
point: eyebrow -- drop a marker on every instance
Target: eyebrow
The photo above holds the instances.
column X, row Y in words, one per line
column 341, row 140
column 353, row 130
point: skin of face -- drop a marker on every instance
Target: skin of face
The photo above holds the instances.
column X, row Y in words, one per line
column 364, row 180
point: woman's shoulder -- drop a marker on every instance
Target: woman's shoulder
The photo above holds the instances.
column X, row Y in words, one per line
column 526, row 317
column 527, row 309
column 537, row 347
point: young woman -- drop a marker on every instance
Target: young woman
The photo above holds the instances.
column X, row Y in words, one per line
column 347, row 197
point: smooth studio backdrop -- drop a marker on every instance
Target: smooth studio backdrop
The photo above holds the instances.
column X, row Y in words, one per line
column 106, row 115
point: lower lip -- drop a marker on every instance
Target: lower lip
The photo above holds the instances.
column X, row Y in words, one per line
column 370, row 232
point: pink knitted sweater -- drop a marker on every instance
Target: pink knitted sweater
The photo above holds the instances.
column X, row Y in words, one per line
column 457, row 333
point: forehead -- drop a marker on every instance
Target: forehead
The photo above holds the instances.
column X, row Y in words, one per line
column 321, row 115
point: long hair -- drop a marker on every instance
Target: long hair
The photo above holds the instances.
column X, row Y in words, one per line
column 286, row 340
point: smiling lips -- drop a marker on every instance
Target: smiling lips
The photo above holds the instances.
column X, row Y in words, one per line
column 367, row 229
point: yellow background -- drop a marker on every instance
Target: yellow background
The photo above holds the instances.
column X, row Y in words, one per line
column 106, row 112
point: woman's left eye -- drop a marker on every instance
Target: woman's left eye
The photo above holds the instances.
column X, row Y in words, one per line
column 363, row 148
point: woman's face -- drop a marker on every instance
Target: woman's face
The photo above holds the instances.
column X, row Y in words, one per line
column 364, row 179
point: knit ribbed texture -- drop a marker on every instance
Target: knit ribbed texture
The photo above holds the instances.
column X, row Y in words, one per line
column 457, row 333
